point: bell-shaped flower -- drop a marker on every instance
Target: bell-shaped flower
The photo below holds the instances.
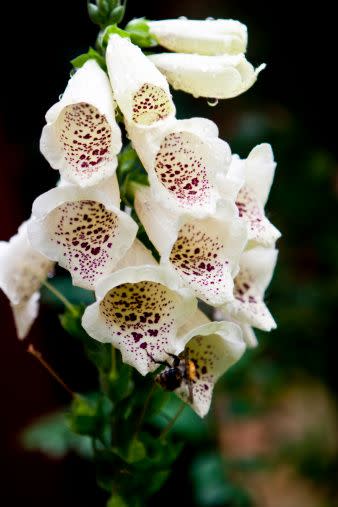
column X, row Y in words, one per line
column 203, row 252
column 138, row 310
column 248, row 333
column 255, row 176
column 209, row 348
column 182, row 160
column 248, row 307
column 81, row 138
column 84, row 230
column 22, row 271
column 140, row 90
column 204, row 37
column 214, row 77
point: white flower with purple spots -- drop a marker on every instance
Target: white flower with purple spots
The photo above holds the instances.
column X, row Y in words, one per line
column 204, row 253
column 81, row 138
column 138, row 310
column 248, row 308
column 212, row 347
column 83, row 230
column 204, row 37
column 140, row 90
column 182, row 160
column 251, row 180
column 217, row 77
column 22, row 271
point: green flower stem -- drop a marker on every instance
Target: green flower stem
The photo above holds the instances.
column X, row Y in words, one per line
column 35, row 353
column 144, row 410
column 60, row 297
column 172, row 421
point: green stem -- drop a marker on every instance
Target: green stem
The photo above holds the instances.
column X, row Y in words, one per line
column 172, row 421
column 144, row 410
column 60, row 297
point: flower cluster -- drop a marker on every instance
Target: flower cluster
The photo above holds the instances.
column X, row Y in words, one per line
column 202, row 209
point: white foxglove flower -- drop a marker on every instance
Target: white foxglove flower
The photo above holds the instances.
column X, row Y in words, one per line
column 248, row 333
column 22, row 271
column 203, row 252
column 256, row 270
column 205, row 37
column 81, row 138
column 182, row 160
column 139, row 310
column 83, row 230
column 256, row 174
column 217, row 77
column 140, row 90
column 212, row 347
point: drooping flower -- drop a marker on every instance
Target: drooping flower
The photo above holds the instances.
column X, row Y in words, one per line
column 212, row 347
column 204, row 37
column 217, row 77
column 255, row 176
column 203, row 252
column 81, row 138
column 83, row 230
column 182, row 160
column 141, row 91
column 138, row 310
column 248, row 307
column 22, row 271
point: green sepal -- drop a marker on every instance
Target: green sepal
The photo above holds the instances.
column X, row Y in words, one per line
column 111, row 30
column 140, row 33
column 91, row 54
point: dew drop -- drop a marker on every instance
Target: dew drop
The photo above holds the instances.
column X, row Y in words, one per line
column 182, row 17
column 212, row 102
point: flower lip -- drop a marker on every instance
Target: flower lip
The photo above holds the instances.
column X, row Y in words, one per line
column 256, row 270
column 205, row 37
column 212, row 347
column 82, row 230
column 139, row 310
column 82, row 138
column 231, row 75
column 140, row 90
column 204, row 253
column 182, row 160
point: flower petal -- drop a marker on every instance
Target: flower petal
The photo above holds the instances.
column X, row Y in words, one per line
column 212, row 347
column 25, row 314
column 82, row 231
column 203, row 252
column 140, row 90
column 22, row 268
column 260, row 170
column 219, row 77
column 81, row 138
column 208, row 37
column 139, row 310
column 260, row 230
column 182, row 161
column 256, row 270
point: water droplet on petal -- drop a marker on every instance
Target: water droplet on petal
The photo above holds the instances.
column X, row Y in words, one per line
column 182, row 17
column 60, row 96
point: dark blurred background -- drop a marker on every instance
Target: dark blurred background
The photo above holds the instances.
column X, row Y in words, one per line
column 273, row 441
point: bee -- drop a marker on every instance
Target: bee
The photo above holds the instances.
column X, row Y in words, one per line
column 182, row 370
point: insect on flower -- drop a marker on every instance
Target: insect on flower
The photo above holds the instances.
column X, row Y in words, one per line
column 182, row 370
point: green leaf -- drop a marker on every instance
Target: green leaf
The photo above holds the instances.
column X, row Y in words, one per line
column 91, row 54
column 116, row 501
column 140, row 33
column 136, row 451
column 51, row 435
column 83, row 416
